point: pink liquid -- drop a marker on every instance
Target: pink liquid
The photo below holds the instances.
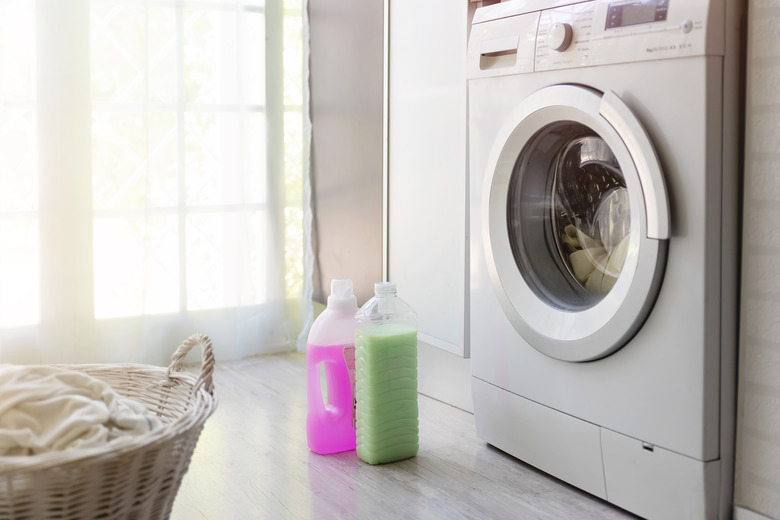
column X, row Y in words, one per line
column 329, row 424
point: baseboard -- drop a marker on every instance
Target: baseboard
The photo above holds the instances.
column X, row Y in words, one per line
column 746, row 514
column 444, row 376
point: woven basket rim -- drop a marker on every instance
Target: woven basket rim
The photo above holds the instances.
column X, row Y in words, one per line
column 203, row 404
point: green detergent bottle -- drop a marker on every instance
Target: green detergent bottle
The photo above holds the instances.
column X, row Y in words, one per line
column 386, row 378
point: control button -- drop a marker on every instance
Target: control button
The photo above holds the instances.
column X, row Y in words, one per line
column 559, row 37
column 686, row 26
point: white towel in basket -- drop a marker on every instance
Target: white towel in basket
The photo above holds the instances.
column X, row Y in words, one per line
column 44, row 409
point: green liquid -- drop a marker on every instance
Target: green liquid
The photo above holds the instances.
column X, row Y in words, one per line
column 386, row 392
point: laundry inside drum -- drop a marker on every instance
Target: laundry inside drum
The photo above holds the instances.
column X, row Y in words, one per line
column 592, row 215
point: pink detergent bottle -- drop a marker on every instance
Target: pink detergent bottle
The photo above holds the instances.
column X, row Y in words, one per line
column 330, row 422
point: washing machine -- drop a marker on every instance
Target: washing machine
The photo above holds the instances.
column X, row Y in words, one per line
column 604, row 144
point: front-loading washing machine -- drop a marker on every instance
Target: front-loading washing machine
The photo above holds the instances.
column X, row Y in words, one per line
column 603, row 218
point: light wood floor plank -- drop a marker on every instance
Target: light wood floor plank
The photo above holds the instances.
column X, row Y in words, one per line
column 252, row 462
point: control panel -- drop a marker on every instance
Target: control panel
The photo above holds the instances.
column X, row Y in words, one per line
column 554, row 34
column 601, row 32
column 576, row 21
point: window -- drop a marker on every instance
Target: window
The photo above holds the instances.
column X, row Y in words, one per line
column 152, row 168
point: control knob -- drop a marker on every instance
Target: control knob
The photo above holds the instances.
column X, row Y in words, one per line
column 559, row 37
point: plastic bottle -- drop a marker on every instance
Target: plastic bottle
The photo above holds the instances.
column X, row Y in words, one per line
column 330, row 424
column 386, row 378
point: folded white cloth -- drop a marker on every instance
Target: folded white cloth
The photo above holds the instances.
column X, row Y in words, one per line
column 45, row 409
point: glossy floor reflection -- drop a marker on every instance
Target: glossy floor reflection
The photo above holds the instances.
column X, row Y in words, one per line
column 252, row 462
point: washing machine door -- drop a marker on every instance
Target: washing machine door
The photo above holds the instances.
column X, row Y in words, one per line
column 575, row 221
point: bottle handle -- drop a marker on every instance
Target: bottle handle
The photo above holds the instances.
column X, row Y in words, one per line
column 337, row 399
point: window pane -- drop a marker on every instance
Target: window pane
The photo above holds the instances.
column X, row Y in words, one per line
column 133, row 53
column 255, row 175
column 163, row 187
column 134, row 159
column 293, row 251
column 17, row 50
column 210, row 57
column 293, row 212
column 224, row 158
column 118, row 57
column 19, row 281
column 136, row 266
column 293, row 148
column 18, row 164
column 253, row 58
column 226, row 255
column 162, row 55
column 293, row 155
column 119, row 159
column 293, row 60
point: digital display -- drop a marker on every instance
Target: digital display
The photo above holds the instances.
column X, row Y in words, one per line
column 622, row 14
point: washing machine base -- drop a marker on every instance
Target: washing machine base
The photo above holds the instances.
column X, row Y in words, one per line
column 646, row 480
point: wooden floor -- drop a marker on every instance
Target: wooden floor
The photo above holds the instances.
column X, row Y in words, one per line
column 252, row 462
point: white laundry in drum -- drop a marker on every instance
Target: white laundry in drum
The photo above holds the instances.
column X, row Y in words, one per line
column 595, row 266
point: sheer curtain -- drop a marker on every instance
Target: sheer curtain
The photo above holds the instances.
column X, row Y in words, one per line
column 152, row 178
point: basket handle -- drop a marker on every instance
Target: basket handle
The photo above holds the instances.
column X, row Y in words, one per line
column 207, row 365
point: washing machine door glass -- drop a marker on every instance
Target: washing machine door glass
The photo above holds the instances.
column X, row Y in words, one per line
column 577, row 253
column 576, row 222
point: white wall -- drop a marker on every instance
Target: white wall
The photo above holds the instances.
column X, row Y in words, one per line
column 757, row 478
column 427, row 165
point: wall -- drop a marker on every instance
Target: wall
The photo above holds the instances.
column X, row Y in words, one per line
column 347, row 49
column 757, row 477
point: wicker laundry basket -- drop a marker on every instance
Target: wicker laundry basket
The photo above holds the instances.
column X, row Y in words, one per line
column 137, row 479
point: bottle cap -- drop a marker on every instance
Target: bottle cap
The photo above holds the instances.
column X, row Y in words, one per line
column 384, row 288
column 341, row 293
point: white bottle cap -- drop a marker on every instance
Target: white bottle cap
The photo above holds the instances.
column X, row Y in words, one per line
column 384, row 288
column 341, row 293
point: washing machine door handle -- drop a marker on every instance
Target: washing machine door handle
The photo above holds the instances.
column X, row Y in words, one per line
column 648, row 168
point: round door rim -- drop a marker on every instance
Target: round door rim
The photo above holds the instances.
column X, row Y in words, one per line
column 605, row 327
